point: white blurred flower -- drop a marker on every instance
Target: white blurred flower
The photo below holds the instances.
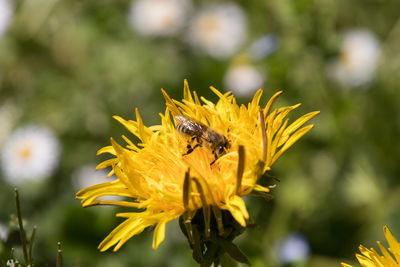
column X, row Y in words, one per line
column 158, row 17
column 218, row 30
column 6, row 13
column 243, row 79
column 3, row 232
column 87, row 176
column 292, row 248
column 360, row 52
column 31, row 153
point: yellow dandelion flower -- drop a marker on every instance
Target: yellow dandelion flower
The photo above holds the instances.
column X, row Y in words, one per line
column 163, row 180
column 371, row 258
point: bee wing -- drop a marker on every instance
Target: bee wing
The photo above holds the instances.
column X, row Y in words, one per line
column 179, row 119
column 190, row 126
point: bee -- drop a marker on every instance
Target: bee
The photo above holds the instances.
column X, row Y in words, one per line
column 203, row 135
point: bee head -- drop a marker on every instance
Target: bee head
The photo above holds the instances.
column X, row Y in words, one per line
column 221, row 149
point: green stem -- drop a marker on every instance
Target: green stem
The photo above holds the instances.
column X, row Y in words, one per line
column 31, row 244
column 21, row 227
column 59, row 258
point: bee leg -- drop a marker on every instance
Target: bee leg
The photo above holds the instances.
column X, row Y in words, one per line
column 215, row 159
column 190, row 149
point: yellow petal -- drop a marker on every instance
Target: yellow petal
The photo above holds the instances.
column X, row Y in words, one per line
column 293, row 139
column 144, row 132
column 346, row 265
column 130, row 144
column 170, row 104
column 126, row 176
column 106, row 149
column 260, row 188
column 295, row 125
column 393, row 243
column 186, row 92
column 236, row 214
column 129, row 125
column 281, row 114
column 253, row 106
column 271, row 101
column 106, row 163
column 129, row 227
column 277, row 137
column 238, row 202
column 89, row 194
column 159, row 234
column 386, row 255
column 364, row 261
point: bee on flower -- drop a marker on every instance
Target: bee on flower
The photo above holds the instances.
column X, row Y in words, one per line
column 203, row 135
column 197, row 171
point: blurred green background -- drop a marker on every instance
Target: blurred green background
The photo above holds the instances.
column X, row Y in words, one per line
column 71, row 65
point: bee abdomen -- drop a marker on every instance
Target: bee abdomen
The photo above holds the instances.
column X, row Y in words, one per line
column 190, row 128
column 182, row 129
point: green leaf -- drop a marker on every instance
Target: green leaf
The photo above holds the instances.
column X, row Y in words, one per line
column 233, row 251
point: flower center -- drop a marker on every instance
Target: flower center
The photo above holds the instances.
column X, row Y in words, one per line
column 208, row 26
column 25, row 153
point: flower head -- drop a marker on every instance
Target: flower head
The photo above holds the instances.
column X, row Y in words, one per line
column 371, row 258
column 158, row 17
column 359, row 56
column 6, row 14
column 86, row 176
column 165, row 181
column 243, row 79
column 31, row 153
column 218, row 30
